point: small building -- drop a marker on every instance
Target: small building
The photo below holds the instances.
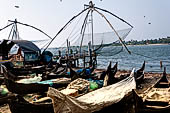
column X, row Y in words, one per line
column 19, row 50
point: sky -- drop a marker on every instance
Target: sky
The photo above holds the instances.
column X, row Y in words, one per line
column 150, row 18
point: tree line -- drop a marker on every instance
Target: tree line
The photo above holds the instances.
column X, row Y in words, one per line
column 151, row 41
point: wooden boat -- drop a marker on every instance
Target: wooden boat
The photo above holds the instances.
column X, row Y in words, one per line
column 58, row 73
column 102, row 76
column 155, row 99
column 111, row 71
column 6, row 99
column 95, row 100
column 139, row 75
column 128, row 98
column 163, row 82
column 67, row 71
column 19, row 73
column 20, row 105
column 24, row 70
column 110, row 75
column 13, row 77
column 21, row 88
column 84, row 73
column 55, row 76
column 57, row 69
column 62, row 72
column 1, row 79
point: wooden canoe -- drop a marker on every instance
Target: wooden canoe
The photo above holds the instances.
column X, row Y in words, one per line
column 139, row 75
column 21, row 88
column 24, row 70
column 156, row 99
column 5, row 99
column 20, row 105
column 95, row 101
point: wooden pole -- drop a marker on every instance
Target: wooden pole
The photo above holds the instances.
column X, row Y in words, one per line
column 67, row 46
column 160, row 64
column 90, row 53
column 64, row 27
column 59, row 53
column 90, row 62
column 1, row 68
column 83, row 29
column 113, row 30
column 92, row 29
column 84, row 57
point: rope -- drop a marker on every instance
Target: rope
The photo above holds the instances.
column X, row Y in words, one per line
column 71, row 33
column 114, row 16
column 118, row 51
column 6, row 26
column 113, row 30
column 71, row 38
column 121, row 50
column 44, row 45
column 65, row 27
column 31, row 27
column 83, row 29
column 11, row 31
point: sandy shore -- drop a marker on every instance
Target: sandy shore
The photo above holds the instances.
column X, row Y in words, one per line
column 149, row 80
column 4, row 109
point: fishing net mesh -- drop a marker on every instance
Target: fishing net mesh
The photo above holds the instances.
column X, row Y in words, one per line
column 77, row 34
column 104, row 38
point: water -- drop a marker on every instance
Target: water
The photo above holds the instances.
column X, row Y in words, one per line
column 152, row 54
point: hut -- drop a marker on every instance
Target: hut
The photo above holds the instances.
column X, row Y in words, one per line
column 19, row 51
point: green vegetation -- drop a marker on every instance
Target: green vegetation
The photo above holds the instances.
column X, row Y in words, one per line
column 152, row 41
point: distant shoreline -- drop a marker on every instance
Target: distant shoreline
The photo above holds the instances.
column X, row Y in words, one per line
column 148, row 44
column 157, row 44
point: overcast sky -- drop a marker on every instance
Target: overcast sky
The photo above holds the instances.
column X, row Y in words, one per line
column 150, row 18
